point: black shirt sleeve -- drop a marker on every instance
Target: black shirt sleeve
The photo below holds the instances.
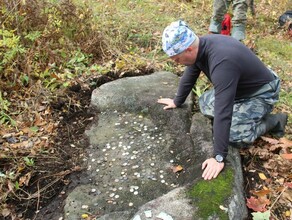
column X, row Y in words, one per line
column 225, row 80
column 186, row 84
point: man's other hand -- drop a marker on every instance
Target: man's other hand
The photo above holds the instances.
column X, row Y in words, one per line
column 212, row 168
column 168, row 102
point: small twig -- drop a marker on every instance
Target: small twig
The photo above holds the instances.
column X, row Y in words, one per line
column 39, row 195
column 278, row 197
column 274, row 216
column 59, row 176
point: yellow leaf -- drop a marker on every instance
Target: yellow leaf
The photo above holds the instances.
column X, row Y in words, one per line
column 262, row 176
column 288, row 213
column 261, row 192
column 20, row 167
column 84, row 216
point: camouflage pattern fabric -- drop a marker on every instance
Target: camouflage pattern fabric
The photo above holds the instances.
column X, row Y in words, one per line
column 220, row 8
column 248, row 112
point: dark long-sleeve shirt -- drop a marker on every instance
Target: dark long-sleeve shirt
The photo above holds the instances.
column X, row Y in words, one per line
column 234, row 70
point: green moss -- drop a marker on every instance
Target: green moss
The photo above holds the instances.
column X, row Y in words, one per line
column 209, row 195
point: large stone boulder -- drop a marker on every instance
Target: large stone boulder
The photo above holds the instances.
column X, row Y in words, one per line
column 145, row 162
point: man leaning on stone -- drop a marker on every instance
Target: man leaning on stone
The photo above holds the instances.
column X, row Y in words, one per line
column 244, row 92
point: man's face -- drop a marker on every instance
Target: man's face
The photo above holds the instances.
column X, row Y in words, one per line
column 187, row 57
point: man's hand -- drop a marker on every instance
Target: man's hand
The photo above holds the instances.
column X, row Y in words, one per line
column 168, row 102
column 212, row 168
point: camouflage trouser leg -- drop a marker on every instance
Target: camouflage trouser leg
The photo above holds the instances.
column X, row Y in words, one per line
column 248, row 113
column 239, row 8
column 220, row 8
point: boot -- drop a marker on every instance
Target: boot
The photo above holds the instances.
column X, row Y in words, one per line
column 215, row 27
column 238, row 32
column 275, row 124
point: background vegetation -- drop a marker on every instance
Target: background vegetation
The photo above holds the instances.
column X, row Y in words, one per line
column 50, row 46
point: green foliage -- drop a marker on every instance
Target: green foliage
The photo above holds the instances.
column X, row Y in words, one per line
column 10, row 48
column 209, row 195
column 56, row 76
column 28, row 161
column 286, row 98
column 4, row 104
column 17, row 185
column 45, row 40
column 169, row 67
column 33, row 36
column 4, row 109
column 201, row 86
column 78, row 62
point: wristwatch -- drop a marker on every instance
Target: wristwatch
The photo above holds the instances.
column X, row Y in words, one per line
column 219, row 158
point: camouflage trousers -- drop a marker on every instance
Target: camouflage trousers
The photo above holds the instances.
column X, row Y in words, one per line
column 248, row 113
column 220, row 8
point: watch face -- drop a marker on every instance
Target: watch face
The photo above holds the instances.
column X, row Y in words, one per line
column 219, row 158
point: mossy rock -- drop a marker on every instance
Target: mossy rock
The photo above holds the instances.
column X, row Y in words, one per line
column 207, row 196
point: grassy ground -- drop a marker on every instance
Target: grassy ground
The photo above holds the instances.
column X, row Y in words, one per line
column 56, row 45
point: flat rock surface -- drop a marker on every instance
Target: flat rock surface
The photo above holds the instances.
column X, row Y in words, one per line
column 135, row 146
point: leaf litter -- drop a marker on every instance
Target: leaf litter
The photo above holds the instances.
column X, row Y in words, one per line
column 267, row 168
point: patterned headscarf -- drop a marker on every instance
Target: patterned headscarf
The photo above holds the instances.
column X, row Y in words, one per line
column 177, row 37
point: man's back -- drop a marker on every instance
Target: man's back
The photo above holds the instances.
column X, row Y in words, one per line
column 223, row 56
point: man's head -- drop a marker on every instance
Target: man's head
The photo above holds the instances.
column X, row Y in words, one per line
column 179, row 42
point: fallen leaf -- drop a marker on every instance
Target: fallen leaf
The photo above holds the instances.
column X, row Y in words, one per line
column 286, row 156
column 24, row 144
column 280, row 180
column 285, row 142
column 287, row 195
column 270, row 140
column 223, row 208
column 289, row 185
column 84, row 216
column 38, row 119
column 261, row 192
column 20, row 167
column 263, row 154
column 280, row 189
column 261, row 215
column 50, row 127
column 258, row 205
column 176, row 169
column 5, row 212
column 25, row 179
column 262, row 176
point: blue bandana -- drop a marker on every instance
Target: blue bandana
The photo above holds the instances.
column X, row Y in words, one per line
column 177, row 37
